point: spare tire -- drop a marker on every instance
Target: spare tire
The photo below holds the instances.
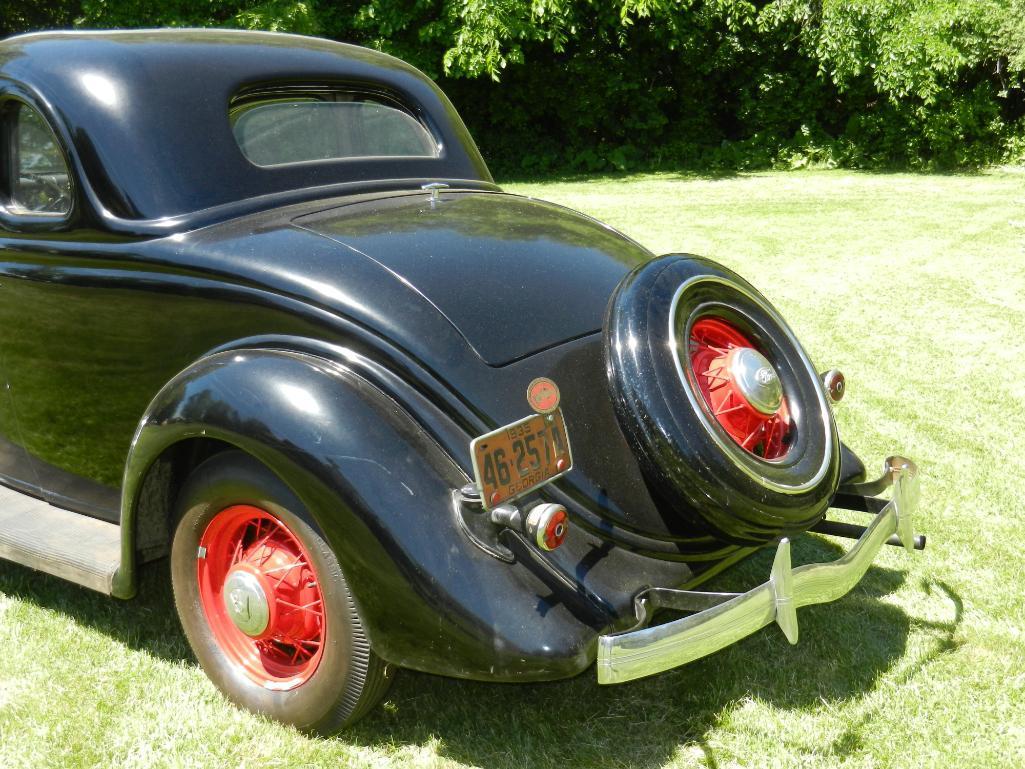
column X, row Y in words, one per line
column 719, row 402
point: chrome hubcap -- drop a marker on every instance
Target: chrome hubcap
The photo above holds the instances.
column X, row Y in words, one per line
column 756, row 380
column 246, row 602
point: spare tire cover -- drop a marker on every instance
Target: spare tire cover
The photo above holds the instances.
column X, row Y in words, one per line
column 693, row 465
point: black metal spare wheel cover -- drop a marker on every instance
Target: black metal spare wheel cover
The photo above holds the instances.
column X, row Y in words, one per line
column 689, row 460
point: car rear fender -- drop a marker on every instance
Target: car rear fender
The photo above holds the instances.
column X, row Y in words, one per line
column 379, row 487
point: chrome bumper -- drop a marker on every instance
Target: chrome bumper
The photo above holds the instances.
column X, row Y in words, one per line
column 642, row 652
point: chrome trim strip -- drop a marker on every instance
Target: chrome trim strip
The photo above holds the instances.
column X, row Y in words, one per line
column 640, row 653
column 699, row 408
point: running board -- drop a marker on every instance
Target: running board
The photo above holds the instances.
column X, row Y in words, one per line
column 69, row 545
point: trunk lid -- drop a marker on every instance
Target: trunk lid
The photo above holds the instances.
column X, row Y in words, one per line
column 512, row 274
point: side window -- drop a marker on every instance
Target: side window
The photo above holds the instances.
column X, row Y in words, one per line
column 297, row 125
column 38, row 182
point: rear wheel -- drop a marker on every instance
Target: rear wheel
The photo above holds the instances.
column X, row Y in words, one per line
column 264, row 603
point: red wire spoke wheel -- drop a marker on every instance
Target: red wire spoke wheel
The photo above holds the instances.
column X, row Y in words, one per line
column 261, row 597
column 264, row 601
column 740, row 388
column 720, row 403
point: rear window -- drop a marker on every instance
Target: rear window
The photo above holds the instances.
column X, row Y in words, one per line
column 297, row 126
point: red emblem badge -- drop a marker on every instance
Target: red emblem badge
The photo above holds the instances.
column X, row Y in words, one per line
column 543, row 395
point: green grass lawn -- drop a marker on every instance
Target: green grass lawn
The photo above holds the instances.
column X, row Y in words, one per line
column 915, row 287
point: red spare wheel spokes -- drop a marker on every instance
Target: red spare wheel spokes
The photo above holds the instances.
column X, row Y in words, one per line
column 740, row 388
column 261, row 597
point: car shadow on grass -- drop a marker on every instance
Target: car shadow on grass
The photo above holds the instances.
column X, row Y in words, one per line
column 147, row 622
column 844, row 648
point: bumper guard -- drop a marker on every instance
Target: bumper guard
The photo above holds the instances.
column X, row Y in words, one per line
column 725, row 618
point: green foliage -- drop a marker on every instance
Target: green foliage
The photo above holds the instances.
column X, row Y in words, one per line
column 24, row 15
column 1012, row 35
column 923, row 81
column 604, row 85
column 274, row 15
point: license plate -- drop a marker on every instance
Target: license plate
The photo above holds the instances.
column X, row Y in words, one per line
column 518, row 458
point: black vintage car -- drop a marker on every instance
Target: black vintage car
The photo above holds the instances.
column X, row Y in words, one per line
column 264, row 311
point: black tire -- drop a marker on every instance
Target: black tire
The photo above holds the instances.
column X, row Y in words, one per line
column 693, row 466
column 349, row 678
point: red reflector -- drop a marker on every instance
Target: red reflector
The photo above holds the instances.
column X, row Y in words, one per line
column 555, row 532
column 547, row 524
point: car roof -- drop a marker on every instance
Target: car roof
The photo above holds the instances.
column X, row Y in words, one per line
column 144, row 114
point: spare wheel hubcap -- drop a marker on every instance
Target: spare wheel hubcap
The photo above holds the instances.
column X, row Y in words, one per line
column 740, row 387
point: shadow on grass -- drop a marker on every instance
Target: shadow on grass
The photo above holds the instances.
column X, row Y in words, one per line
column 148, row 622
column 845, row 647
column 943, row 642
